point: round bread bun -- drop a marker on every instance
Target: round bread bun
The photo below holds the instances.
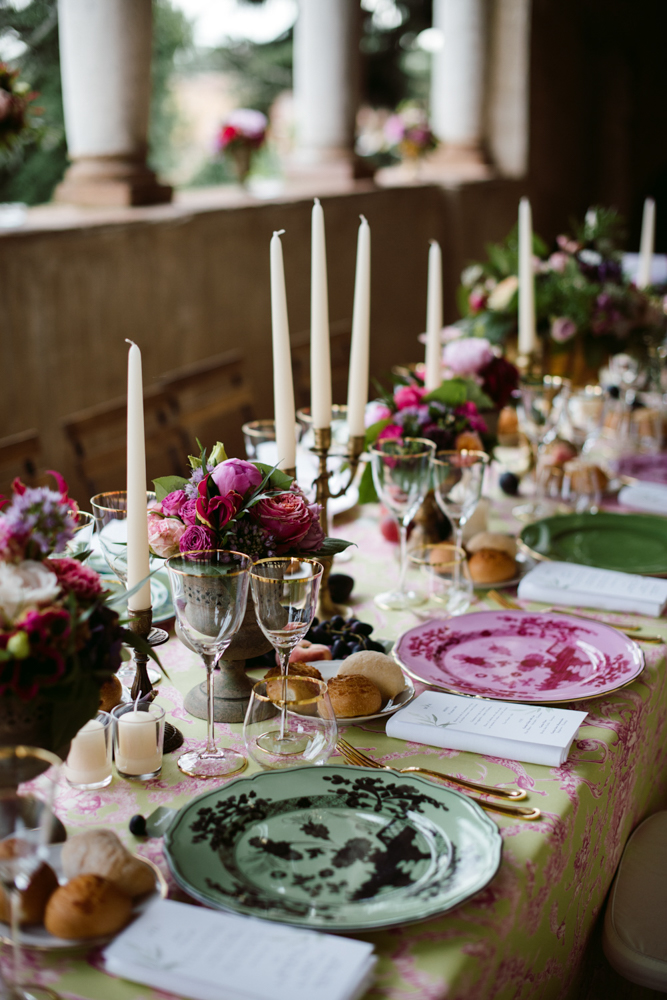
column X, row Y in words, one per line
column 354, row 695
column 493, row 540
column 491, row 566
column 42, row 884
column 585, row 476
column 89, row 906
column 298, row 688
column 297, row 670
column 111, row 694
column 100, row 852
column 508, row 421
column 378, row 668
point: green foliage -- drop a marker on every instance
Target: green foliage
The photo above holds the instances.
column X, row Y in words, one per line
column 367, row 491
column 172, row 38
column 168, row 484
column 260, row 71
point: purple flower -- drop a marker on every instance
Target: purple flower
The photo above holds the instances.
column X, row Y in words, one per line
column 173, row 502
column 36, row 523
column 235, row 475
column 188, row 512
column 563, row 329
column 196, row 538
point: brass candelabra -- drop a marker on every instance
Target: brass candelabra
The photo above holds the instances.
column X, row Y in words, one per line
column 141, row 623
column 355, row 448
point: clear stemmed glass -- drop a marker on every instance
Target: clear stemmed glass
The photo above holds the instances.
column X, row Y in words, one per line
column 450, row 587
column 110, row 513
column 26, row 825
column 285, row 591
column 457, row 483
column 540, row 406
column 401, row 473
column 210, row 590
column 311, row 720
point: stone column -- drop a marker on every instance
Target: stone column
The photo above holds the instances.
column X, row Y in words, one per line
column 326, row 56
column 458, row 77
column 509, row 87
column 105, row 66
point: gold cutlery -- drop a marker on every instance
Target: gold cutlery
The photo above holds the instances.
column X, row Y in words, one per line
column 360, row 759
column 629, row 630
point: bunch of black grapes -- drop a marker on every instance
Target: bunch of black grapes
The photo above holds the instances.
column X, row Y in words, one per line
column 344, row 637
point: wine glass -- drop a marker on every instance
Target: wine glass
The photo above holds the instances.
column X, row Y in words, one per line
column 457, row 483
column 285, row 591
column 110, row 513
column 401, row 473
column 450, row 587
column 540, row 406
column 312, row 722
column 26, row 830
column 209, row 591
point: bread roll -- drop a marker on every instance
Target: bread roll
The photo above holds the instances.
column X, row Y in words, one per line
column 508, row 422
column 100, row 852
column 297, row 670
column 89, row 906
column 586, row 477
column 298, row 689
column 354, row 695
column 378, row 668
column 111, row 694
column 33, row 899
column 493, row 540
column 491, row 566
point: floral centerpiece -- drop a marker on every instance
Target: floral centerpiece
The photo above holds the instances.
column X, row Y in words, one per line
column 408, row 132
column 60, row 638
column 228, row 503
column 581, row 295
column 243, row 132
column 19, row 122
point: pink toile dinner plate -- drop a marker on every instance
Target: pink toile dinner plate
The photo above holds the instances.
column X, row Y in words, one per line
column 520, row 656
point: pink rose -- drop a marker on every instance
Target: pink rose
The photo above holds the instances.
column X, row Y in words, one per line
column 196, row 538
column 390, row 431
column 376, row 411
column 286, row 516
column 563, row 329
column 164, row 534
column 408, row 395
column 468, row 355
column 75, row 578
column 235, row 475
column 477, row 301
column 188, row 512
column 172, row 503
column 314, row 539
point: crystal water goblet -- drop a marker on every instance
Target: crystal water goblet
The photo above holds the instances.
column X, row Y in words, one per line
column 458, row 477
column 401, row 474
column 311, row 720
column 450, row 586
column 285, row 591
column 209, row 591
column 26, row 830
column 541, row 404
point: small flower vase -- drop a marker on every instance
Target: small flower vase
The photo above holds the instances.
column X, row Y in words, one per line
column 241, row 155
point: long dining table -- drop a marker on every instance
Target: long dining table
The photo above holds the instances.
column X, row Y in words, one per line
column 525, row 934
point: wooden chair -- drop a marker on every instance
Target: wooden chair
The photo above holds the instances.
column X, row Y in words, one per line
column 210, row 400
column 19, row 455
column 98, row 437
column 340, row 336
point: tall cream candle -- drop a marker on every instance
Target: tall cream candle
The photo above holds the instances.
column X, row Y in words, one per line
column 137, row 521
column 646, row 244
column 433, row 376
column 137, row 750
column 357, row 387
column 283, row 388
column 527, row 332
column 320, row 350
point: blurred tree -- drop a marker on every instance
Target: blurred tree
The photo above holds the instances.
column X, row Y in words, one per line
column 172, row 42
column 394, row 68
column 260, row 71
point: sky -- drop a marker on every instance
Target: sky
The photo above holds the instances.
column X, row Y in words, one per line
column 216, row 21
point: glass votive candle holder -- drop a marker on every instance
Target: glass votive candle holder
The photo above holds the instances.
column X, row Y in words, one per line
column 292, row 727
column 138, row 740
column 88, row 764
column 450, row 585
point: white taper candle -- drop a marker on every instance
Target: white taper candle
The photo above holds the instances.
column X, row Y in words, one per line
column 283, row 388
column 137, row 521
column 527, row 333
column 320, row 351
column 433, row 376
column 357, row 387
column 646, row 244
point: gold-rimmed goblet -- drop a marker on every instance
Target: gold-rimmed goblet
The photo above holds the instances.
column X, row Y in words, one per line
column 209, row 590
column 285, row 591
column 401, row 473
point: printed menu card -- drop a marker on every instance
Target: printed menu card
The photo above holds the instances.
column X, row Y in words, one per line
column 208, row 955
column 586, row 587
column 534, row 734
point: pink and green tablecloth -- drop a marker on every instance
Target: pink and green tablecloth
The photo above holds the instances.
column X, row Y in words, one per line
column 525, row 934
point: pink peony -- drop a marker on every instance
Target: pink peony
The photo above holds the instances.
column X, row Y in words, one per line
column 376, row 411
column 477, row 301
column 286, row 516
column 164, row 535
column 237, row 476
column 408, row 395
column 196, row 538
column 391, row 431
column 563, row 329
column 467, row 356
column 173, row 502
column 75, row 578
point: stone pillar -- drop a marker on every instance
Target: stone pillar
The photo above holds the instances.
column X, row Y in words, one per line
column 326, row 56
column 458, row 77
column 509, row 87
column 105, row 66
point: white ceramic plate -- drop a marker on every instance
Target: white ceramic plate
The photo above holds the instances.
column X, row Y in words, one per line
column 37, row 936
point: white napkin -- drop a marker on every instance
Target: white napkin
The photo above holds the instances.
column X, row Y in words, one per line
column 587, row 587
column 208, row 955
column 649, row 497
column 531, row 733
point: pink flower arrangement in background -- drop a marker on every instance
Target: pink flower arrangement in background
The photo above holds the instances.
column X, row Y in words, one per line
column 243, row 127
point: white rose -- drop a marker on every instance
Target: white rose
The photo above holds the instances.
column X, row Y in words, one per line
column 501, row 296
column 25, row 584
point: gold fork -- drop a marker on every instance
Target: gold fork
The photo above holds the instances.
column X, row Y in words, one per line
column 629, row 630
column 360, row 759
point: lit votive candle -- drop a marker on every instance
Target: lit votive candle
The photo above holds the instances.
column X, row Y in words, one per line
column 139, row 735
column 88, row 763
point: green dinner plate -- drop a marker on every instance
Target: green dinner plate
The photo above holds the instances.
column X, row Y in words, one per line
column 333, row 848
column 633, row 543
